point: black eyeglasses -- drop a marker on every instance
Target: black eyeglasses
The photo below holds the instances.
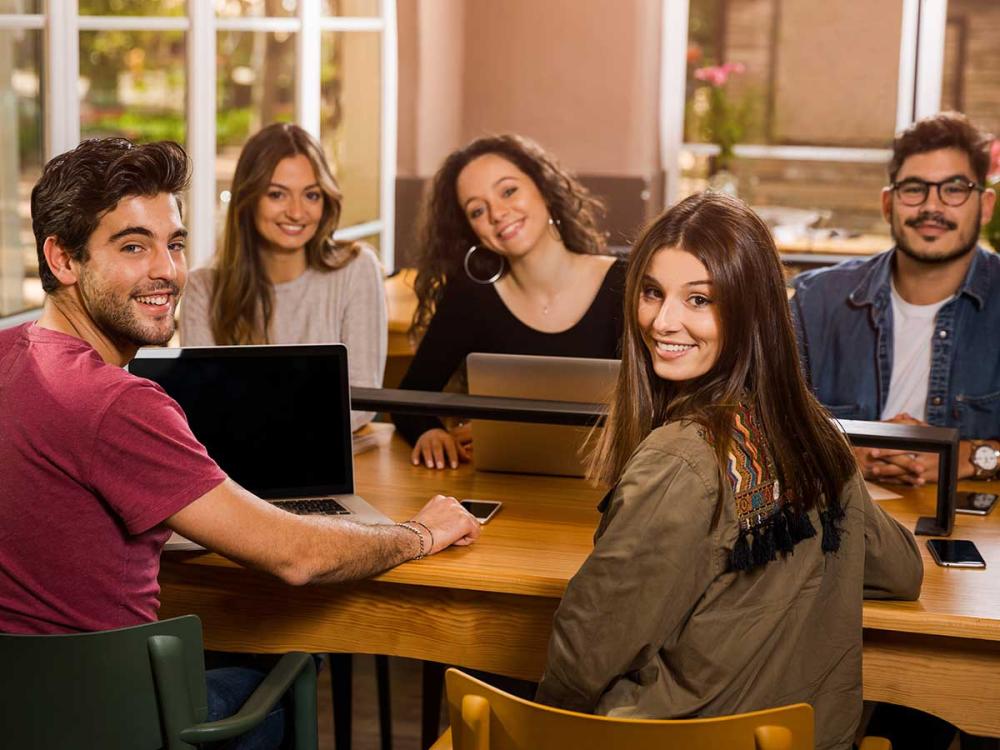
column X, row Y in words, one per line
column 951, row 192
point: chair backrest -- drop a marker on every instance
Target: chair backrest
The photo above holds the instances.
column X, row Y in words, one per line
column 93, row 690
column 483, row 717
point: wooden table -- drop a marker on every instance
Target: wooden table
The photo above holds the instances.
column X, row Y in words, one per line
column 490, row 606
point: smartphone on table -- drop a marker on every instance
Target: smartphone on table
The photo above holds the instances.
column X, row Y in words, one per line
column 976, row 503
column 482, row 510
column 955, row 553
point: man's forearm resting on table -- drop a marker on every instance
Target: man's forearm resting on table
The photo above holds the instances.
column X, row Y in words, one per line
column 297, row 549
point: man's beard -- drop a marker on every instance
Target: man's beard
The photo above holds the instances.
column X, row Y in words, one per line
column 965, row 244
column 114, row 316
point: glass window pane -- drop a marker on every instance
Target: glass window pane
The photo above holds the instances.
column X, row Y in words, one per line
column 21, row 159
column 133, row 7
column 21, row 6
column 256, row 87
column 797, row 84
column 972, row 62
column 351, row 126
column 802, row 85
column 255, row 8
column 838, row 199
column 133, row 84
column 368, row 8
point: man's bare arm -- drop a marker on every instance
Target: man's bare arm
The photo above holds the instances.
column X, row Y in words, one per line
column 315, row 549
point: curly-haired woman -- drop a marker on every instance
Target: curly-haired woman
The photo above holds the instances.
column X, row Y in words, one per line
column 510, row 261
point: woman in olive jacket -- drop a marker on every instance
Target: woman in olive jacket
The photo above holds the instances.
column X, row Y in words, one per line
column 738, row 540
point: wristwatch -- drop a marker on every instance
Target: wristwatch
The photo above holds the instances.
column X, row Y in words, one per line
column 986, row 459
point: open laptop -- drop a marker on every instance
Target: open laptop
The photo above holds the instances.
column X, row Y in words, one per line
column 531, row 448
column 277, row 420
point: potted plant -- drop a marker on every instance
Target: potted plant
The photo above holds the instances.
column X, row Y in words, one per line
column 721, row 119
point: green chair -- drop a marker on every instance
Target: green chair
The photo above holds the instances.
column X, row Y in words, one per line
column 138, row 688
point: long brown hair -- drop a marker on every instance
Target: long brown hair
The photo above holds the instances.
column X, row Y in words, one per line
column 445, row 234
column 758, row 364
column 243, row 296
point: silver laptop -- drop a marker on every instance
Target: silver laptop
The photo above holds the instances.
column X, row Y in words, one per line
column 536, row 448
column 277, row 420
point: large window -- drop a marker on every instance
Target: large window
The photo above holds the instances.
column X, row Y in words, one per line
column 971, row 75
column 143, row 69
column 825, row 86
column 22, row 106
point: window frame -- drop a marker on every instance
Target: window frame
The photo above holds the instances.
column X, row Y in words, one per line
column 61, row 24
column 921, row 65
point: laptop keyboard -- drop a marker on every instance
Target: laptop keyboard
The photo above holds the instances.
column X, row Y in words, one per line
column 322, row 506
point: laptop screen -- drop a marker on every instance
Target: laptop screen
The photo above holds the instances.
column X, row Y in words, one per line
column 275, row 418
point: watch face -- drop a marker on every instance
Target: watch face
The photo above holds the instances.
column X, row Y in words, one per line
column 985, row 458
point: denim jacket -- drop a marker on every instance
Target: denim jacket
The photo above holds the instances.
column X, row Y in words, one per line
column 843, row 319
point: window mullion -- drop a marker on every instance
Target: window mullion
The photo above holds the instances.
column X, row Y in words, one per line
column 905, row 86
column 673, row 80
column 62, row 66
column 387, row 165
column 201, row 105
column 308, row 63
column 930, row 57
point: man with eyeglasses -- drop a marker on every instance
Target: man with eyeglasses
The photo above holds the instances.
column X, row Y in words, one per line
column 913, row 335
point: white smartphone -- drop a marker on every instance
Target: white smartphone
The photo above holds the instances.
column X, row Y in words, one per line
column 482, row 510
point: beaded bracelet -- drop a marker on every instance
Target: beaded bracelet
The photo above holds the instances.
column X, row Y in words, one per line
column 420, row 539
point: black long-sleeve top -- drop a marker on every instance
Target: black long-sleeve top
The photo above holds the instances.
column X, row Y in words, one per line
column 472, row 318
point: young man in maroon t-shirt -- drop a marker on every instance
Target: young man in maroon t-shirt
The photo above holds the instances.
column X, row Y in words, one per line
column 98, row 466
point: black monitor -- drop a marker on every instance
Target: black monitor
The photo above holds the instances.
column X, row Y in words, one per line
column 277, row 419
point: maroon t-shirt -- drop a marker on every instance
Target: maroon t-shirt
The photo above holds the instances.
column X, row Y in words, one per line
column 92, row 460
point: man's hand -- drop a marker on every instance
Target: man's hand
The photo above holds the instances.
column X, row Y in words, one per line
column 906, row 467
column 436, row 445
column 448, row 523
column 462, row 432
column 314, row 549
column 894, row 466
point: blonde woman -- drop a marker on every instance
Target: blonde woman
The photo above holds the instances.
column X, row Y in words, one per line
column 280, row 277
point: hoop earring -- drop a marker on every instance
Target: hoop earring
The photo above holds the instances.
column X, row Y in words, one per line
column 492, row 279
column 555, row 227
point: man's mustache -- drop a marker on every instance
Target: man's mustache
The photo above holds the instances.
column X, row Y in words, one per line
column 932, row 217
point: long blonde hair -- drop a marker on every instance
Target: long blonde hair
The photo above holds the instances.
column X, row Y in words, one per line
column 243, row 297
column 758, row 364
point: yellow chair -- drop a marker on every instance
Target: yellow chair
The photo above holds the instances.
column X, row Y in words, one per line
column 484, row 718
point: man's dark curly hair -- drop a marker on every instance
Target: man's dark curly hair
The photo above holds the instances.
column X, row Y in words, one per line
column 943, row 130
column 78, row 188
column 445, row 234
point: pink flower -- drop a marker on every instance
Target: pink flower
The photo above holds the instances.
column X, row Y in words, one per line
column 717, row 75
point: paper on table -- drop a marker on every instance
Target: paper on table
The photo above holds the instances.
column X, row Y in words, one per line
column 879, row 492
column 371, row 436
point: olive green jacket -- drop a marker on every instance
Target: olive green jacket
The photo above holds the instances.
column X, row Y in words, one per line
column 656, row 625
